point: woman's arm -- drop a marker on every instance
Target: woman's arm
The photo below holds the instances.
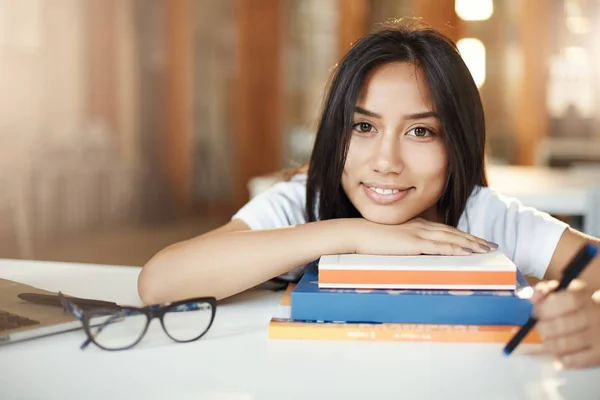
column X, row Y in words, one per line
column 233, row 258
column 568, row 245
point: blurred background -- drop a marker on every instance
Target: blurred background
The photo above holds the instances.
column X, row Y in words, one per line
column 128, row 125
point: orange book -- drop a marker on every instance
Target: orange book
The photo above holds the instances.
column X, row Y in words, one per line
column 490, row 271
column 282, row 326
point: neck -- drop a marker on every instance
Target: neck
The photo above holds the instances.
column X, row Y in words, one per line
column 432, row 214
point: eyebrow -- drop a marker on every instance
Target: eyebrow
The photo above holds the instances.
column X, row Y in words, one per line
column 421, row 115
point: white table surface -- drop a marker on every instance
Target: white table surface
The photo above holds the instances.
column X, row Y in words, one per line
column 236, row 360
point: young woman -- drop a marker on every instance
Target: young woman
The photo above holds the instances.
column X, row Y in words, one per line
column 397, row 168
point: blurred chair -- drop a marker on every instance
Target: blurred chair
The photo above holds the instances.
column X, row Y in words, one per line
column 15, row 185
column 567, row 150
column 582, row 158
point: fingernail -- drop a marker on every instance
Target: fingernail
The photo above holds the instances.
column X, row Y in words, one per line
column 542, row 288
column 577, row 284
column 483, row 246
column 553, row 284
column 493, row 245
column 468, row 250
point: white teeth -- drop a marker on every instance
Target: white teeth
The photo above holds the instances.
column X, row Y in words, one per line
column 383, row 191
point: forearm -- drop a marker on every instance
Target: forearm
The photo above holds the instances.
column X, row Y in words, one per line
column 567, row 248
column 223, row 264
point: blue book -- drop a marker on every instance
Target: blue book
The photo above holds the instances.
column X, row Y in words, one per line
column 457, row 307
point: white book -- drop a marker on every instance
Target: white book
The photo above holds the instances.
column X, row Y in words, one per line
column 491, row 271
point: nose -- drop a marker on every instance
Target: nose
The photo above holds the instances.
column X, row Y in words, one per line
column 387, row 157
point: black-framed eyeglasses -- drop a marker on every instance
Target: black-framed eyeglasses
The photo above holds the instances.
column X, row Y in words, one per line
column 121, row 328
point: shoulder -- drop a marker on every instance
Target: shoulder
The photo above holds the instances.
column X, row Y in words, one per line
column 526, row 235
column 488, row 201
column 488, row 205
column 483, row 203
column 276, row 204
column 291, row 191
column 483, row 196
column 493, row 203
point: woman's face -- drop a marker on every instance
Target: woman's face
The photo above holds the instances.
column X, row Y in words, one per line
column 396, row 167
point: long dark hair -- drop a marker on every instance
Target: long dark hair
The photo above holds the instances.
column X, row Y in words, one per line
column 455, row 98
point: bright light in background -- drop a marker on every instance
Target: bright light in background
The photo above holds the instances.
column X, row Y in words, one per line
column 474, row 10
column 575, row 20
column 473, row 53
column 569, row 83
column 578, row 25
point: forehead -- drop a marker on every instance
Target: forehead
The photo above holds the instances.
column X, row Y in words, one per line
column 399, row 84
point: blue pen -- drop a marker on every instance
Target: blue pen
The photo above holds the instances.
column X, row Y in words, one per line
column 572, row 271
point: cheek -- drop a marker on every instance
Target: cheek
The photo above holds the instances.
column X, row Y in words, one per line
column 356, row 156
column 428, row 162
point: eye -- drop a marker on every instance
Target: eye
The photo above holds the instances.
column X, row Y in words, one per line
column 420, row 131
column 363, row 127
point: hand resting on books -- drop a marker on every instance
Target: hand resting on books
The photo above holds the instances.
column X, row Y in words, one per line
column 417, row 236
column 569, row 323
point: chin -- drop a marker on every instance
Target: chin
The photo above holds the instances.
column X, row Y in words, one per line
column 387, row 216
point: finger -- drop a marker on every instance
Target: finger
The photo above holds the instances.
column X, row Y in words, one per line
column 447, row 228
column 578, row 285
column 542, row 289
column 568, row 324
column 426, row 246
column 565, row 345
column 552, row 285
column 583, row 359
column 561, row 303
column 452, row 238
column 482, row 242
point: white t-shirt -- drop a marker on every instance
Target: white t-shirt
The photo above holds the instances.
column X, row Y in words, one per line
column 527, row 236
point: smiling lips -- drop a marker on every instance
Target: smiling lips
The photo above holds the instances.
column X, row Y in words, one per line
column 385, row 194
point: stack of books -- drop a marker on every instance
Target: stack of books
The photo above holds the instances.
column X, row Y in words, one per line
column 476, row 298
